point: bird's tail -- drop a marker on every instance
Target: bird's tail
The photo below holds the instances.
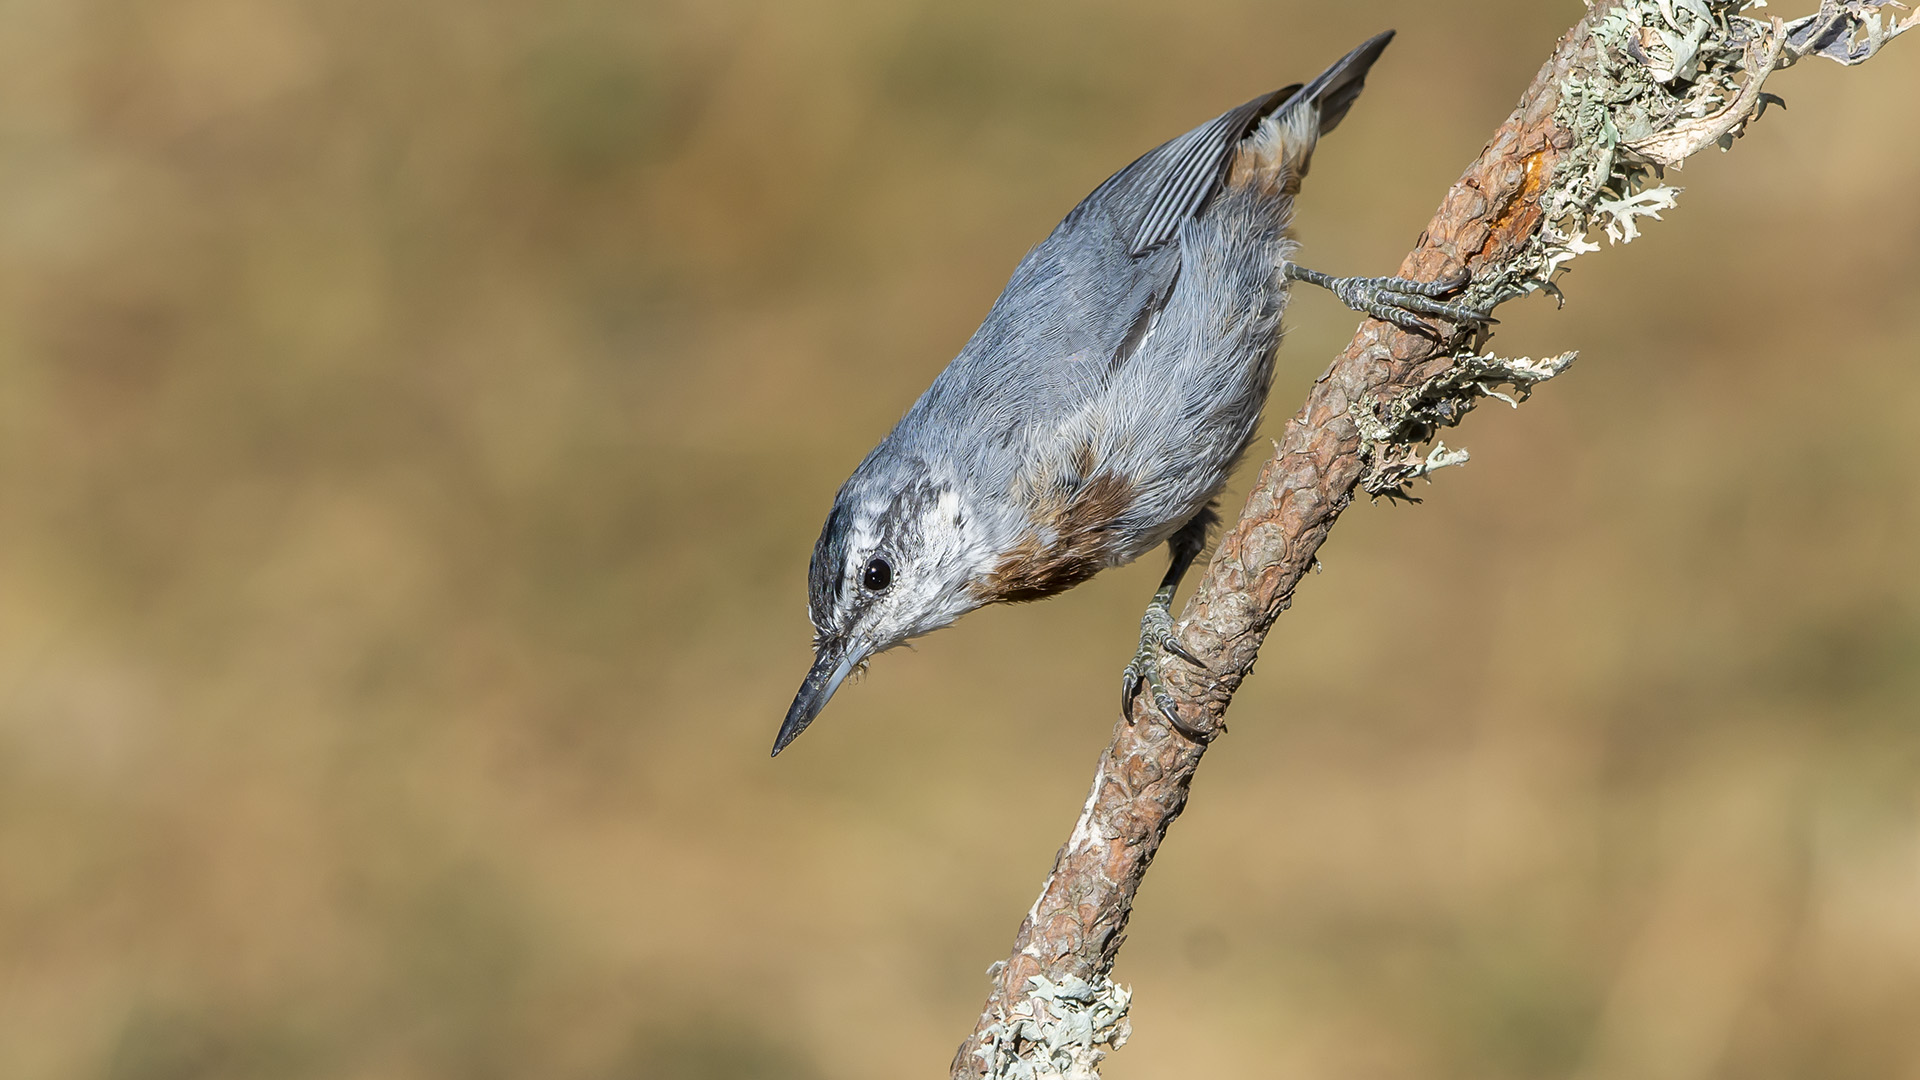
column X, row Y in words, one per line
column 1279, row 153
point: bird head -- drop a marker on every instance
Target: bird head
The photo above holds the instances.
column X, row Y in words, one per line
column 899, row 557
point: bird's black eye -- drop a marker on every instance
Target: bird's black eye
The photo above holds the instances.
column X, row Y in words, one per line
column 878, row 574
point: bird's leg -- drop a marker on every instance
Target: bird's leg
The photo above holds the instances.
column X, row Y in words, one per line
column 1156, row 631
column 1396, row 300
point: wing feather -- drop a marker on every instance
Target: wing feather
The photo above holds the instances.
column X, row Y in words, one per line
column 1147, row 201
column 1176, row 178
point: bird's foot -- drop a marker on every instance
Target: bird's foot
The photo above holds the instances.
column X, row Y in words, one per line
column 1398, row 300
column 1156, row 639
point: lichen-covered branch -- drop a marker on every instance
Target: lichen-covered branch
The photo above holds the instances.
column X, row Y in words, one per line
column 1635, row 87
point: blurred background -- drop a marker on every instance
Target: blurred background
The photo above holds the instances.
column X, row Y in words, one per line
column 415, row 420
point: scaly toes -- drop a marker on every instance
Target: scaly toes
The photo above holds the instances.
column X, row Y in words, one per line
column 1451, row 283
column 1410, row 300
column 1157, row 637
column 1398, row 316
column 1459, row 313
column 1164, row 700
column 1421, row 302
column 1166, row 640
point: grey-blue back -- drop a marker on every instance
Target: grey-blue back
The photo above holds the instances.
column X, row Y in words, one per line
column 1152, row 364
column 1101, row 405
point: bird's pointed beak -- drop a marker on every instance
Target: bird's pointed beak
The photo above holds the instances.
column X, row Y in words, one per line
column 831, row 665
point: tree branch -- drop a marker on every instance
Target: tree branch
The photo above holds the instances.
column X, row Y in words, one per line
column 1634, row 86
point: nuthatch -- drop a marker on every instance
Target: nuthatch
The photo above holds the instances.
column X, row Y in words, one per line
column 1101, row 406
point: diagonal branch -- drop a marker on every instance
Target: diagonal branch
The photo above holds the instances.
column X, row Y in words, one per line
column 1634, row 86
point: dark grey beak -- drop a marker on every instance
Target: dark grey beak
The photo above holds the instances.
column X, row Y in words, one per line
column 831, row 665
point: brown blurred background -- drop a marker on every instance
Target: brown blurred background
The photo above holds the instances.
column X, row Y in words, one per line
column 415, row 420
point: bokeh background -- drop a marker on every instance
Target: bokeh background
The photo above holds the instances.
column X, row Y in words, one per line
column 415, row 420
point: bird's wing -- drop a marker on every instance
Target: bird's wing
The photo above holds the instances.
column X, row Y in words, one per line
column 1083, row 298
column 1081, row 302
column 1146, row 201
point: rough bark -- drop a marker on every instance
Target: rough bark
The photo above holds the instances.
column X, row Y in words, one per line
column 1388, row 391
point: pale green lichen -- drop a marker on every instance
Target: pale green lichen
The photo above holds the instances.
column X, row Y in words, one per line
column 1657, row 63
column 1421, row 468
column 1668, row 78
column 1060, row 1030
column 1665, row 80
column 1620, row 214
column 1391, row 427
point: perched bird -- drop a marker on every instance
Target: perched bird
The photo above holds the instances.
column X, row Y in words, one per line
column 1100, row 407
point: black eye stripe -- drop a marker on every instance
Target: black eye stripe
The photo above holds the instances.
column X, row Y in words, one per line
column 877, row 575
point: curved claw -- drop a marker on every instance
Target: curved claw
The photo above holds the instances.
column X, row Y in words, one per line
column 1399, row 301
column 1163, row 701
column 1172, row 644
column 1374, row 296
column 1156, row 635
column 1192, row 734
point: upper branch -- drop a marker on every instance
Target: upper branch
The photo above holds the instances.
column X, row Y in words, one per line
column 1634, row 86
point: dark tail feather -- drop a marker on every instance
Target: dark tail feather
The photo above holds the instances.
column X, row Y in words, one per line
column 1336, row 88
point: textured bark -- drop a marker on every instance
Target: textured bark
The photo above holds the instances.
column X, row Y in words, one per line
column 1486, row 222
column 1077, row 925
